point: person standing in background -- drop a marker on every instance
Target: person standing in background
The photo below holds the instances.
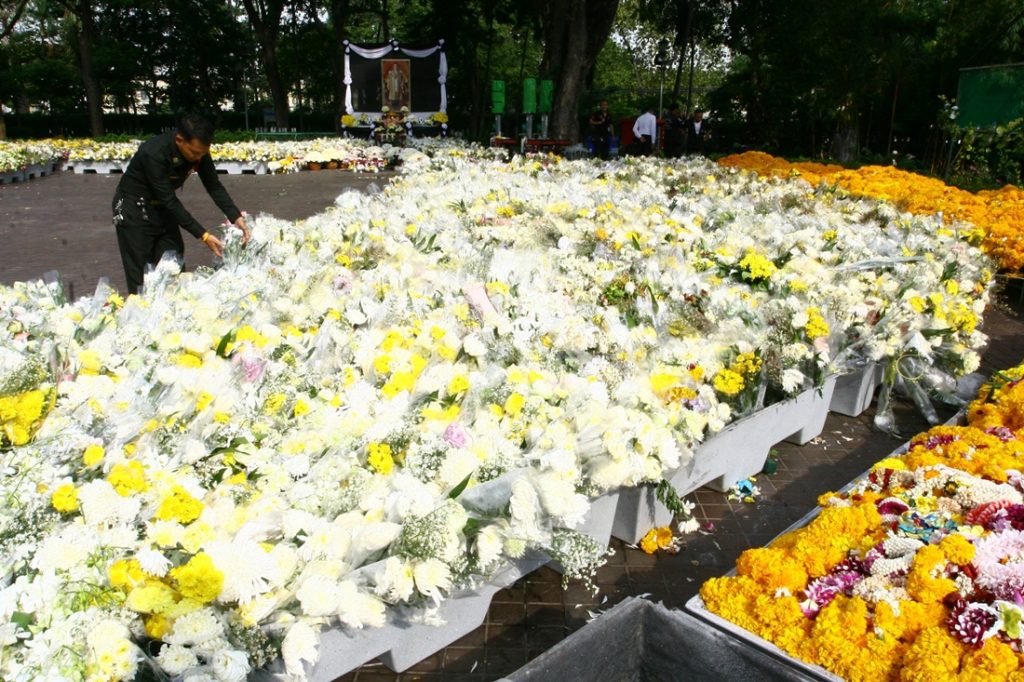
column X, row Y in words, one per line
column 697, row 134
column 601, row 130
column 646, row 131
column 675, row 133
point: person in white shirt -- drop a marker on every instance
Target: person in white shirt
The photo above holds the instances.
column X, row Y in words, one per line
column 646, row 131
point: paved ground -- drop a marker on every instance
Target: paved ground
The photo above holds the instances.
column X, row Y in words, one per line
column 62, row 222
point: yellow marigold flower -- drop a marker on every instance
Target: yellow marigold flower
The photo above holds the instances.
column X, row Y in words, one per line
column 920, row 583
column 152, row 596
column 664, row 537
column 934, row 655
column 816, row 327
column 773, row 568
column 65, row 498
column 957, row 549
column 649, row 542
column 198, row 580
column 757, row 267
column 93, row 455
column 124, row 574
column 733, row 599
column 20, row 414
column 300, row 408
column 157, row 626
column 179, row 506
column 746, row 364
column 128, row 478
column 379, row 458
column 728, row 382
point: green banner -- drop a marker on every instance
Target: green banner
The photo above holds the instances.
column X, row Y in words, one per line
column 990, row 95
column 530, row 96
column 547, row 92
column 497, row 97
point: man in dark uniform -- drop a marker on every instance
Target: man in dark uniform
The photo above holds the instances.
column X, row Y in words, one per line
column 148, row 214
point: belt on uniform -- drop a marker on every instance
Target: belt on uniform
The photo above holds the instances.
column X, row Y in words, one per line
column 151, row 202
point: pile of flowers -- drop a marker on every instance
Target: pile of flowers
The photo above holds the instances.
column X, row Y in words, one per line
column 280, row 156
column 364, row 411
column 997, row 215
column 916, row 572
column 18, row 155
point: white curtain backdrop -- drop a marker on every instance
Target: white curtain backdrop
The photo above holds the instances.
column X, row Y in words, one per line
column 394, row 46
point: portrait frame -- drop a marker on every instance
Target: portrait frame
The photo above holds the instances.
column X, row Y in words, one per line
column 395, row 83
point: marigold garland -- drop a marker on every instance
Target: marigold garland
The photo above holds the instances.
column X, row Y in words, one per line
column 909, row 575
column 997, row 214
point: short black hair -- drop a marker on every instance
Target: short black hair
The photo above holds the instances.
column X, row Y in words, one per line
column 195, row 127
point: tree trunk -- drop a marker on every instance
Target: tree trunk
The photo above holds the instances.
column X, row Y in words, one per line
column 85, row 37
column 844, row 147
column 339, row 27
column 574, row 33
column 265, row 19
column 278, row 92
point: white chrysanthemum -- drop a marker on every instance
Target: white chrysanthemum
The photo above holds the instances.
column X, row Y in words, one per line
column 489, row 542
column 396, row 582
column 65, row 550
column 153, row 562
column 792, row 380
column 112, row 652
column 432, row 576
column 474, row 346
column 318, row 595
column 176, row 659
column 195, row 628
column 358, row 609
column 102, row 505
column 230, row 665
column 301, row 643
column 248, row 568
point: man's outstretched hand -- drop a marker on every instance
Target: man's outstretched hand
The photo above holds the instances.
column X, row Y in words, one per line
column 241, row 225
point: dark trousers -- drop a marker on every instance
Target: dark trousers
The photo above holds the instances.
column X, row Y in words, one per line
column 646, row 146
column 602, row 146
column 144, row 234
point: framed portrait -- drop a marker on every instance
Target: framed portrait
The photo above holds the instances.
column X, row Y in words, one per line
column 396, row 83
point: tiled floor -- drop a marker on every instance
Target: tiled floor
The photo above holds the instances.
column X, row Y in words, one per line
column 536, row 613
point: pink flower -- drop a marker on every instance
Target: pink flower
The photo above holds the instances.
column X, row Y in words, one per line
column 456, row 436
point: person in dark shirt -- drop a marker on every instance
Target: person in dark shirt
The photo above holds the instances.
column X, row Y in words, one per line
column 698, row 134
column 601, row 130
column 149, row 216
column 675, row 133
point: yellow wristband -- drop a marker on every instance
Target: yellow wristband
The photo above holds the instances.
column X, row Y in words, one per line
column 206, row 237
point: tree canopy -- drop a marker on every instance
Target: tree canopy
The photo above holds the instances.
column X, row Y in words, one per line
column 799, row 77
